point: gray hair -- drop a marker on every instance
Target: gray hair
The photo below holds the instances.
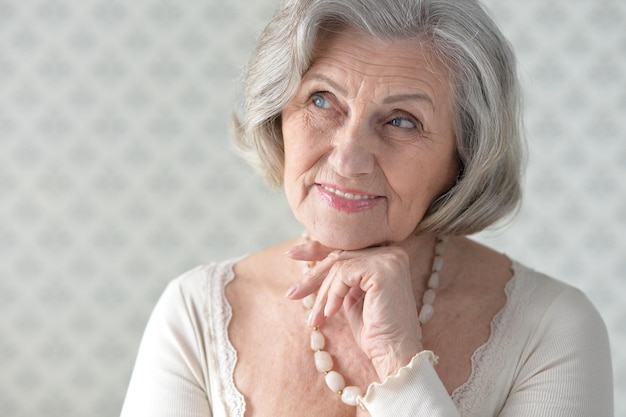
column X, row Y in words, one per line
column 484, row 84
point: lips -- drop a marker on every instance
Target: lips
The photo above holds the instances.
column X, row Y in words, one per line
column 348, row 200
column 347, row 195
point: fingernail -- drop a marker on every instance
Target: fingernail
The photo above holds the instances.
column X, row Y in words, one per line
column 291, row 291
column 293, row 251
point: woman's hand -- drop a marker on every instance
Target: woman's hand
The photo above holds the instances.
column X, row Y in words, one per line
column 373, row 286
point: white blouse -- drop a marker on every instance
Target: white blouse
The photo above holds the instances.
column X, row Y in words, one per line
column 548, row 355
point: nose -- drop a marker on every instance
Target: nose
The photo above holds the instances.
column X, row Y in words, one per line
column 353, row 153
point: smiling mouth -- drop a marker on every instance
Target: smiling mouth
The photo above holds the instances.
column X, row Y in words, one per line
column 347, row 196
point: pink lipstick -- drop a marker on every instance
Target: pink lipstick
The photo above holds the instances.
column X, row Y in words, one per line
column 350, row 201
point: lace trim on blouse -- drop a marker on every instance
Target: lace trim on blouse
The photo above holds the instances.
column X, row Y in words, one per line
column 467, row 397
column 219, row 314
column 488, row 358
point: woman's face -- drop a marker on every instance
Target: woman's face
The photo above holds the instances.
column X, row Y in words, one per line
column 369, row 142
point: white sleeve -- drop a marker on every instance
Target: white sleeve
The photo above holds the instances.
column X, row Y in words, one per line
column 414, row 391
column 566, row 368
column 168, row 377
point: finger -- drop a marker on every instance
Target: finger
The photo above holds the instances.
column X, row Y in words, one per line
column 314, row 277
column 337, row 293
column 342, row 278
column 311, row 251
column 353, row 298
column 316, row 315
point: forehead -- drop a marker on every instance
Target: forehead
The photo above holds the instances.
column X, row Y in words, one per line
column 398, row 63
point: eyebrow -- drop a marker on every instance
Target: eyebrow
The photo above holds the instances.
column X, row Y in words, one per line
column 388, row 100
column 408, row 97
column 333, row 84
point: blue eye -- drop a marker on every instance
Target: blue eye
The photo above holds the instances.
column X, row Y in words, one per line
column 403, row 123
column 320, row 101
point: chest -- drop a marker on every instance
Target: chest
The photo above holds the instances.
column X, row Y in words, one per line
column 275, row 369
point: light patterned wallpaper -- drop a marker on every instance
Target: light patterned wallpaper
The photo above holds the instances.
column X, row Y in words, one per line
column 117, row 174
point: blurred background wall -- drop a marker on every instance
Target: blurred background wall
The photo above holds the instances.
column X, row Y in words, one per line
column 117, row 174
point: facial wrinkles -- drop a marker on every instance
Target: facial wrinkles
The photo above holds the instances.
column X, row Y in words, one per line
column 365, row 85
column 361, row 85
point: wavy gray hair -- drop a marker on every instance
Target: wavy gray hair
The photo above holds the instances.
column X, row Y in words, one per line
column 482, row 73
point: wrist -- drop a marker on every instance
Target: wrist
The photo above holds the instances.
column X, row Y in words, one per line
column 390, row 363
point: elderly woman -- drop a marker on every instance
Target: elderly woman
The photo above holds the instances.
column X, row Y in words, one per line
column 393, row 126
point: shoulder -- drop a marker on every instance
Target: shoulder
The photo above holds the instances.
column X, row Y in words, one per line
column 561, row 337
column 561, row 331
column 540, row 298
column 202, row 275
column 555, row 308
column 193, row 289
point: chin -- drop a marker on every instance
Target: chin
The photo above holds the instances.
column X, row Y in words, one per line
column 347, row 239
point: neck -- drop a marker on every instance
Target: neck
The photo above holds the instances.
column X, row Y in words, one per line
column 420, row 250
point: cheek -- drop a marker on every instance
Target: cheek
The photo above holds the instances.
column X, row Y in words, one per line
column 296, row 158
column 417, row 188
column 294, row 134
column 304, row 145
column 290, row 145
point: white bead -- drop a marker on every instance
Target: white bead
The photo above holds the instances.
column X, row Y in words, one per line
column 317, row 340
column 433, row 281
column 426, row 313
column 429, row 296
column 309, row 301
column 350, row 395
column 437, row 263
column 323, row 361
column 335, row 381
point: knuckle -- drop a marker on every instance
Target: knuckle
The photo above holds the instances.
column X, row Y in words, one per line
column 335, row 255
column 397, row 256
column 312, row 277
column 353, row 280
